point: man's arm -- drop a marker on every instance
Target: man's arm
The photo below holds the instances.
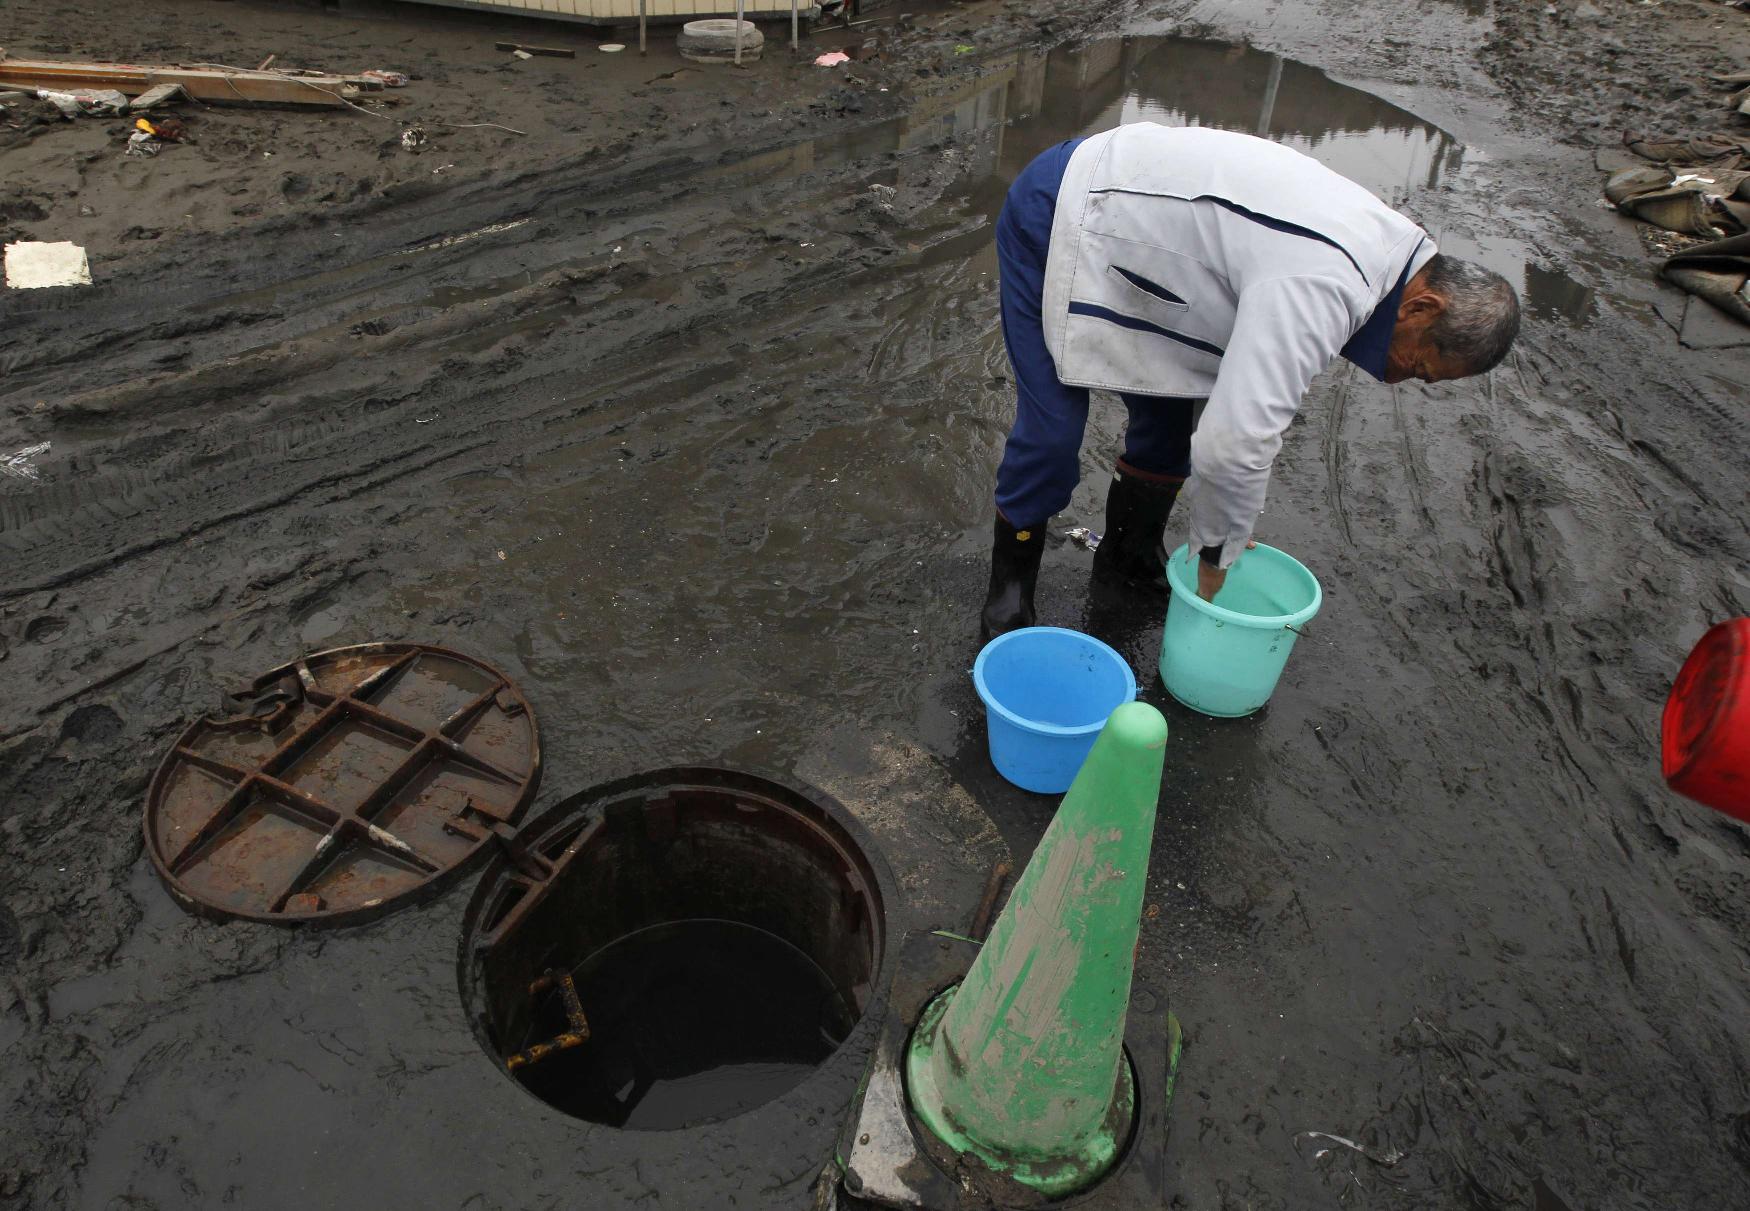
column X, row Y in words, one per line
column 1286, row 330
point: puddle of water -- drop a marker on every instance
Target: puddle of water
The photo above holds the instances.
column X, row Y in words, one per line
column 690, row 1022
column 1037, row 101
column 1366, row 138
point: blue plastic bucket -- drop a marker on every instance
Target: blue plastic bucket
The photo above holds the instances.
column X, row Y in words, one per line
column 1047, row 692
column 1224, row 657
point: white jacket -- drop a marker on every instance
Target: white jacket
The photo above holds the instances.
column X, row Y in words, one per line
column 1200, row 263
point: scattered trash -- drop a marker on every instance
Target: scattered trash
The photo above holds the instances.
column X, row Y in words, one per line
column 1693, row 149
column 475, row 125
column 141, row 143
column 1388, row 1158
column 1707, row 205
column 1718, row 272
column 558, row 52
column 521, row 54
column 1084, row 537
column 20, row 464
column 717, row 40
column 390, row 79
column 413, row 138
column 94, row 101
column 611, row 48
column 832, row 58
column 32, row 264
column 165, row 130
column 964, row 49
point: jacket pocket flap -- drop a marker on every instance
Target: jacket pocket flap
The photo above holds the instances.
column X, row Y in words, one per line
column 1154, row 290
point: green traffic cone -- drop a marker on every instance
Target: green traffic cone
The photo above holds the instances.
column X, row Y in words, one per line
column 1022, row 1063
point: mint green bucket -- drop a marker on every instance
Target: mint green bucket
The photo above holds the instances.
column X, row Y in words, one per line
column 1223, row 658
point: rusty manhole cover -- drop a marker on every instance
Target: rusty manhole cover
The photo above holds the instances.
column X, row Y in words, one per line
column 350, row 780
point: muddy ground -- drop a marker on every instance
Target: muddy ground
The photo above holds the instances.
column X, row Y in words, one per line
column 682, row 410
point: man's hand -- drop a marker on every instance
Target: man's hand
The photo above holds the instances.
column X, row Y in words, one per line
column 1210, row 578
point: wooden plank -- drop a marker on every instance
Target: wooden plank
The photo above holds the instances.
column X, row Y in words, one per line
column 558, row 52
column 158, row 94
column 214, row 85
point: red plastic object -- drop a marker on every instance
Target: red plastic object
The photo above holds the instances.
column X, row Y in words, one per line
column 1707, row 722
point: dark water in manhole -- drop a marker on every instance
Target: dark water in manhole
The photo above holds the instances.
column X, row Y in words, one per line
column 690, row 1022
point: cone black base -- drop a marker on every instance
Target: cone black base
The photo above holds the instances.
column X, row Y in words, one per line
column 890, row 1162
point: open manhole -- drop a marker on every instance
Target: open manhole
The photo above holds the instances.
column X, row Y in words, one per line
column 675, row 948
column 347, row 782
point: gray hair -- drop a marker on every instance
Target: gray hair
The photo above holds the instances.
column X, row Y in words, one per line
column 1481, row 317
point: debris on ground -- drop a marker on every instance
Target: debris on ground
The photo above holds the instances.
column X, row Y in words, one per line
column 1083, row 537
column 158, row 94
column 213, row 83
column 93, row 102
column 34, row 264
column 558, row 52
column 1739, row 101
column 1719, row 273
column 1697, row 188
column 832, row 58
column 1686, row 149
column 720, row 40
column 1700, row 203
column 21, row 464
column 167, row 130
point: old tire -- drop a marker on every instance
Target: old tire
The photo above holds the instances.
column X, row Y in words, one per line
column 713, row 40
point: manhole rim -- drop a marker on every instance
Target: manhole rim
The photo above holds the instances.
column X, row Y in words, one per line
column 857, row 1044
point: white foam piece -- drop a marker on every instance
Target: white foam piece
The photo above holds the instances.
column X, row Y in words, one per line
column 31, row 264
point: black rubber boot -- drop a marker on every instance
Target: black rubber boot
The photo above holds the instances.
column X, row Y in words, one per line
column 1133, row 549
column 1014, row 572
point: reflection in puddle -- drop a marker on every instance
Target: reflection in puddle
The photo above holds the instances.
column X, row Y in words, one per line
column 1364, row 137
column 1028, row 105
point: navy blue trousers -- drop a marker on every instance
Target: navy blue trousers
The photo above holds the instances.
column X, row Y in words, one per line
column 1042, row 459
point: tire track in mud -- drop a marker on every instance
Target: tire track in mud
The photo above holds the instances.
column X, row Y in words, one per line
column 313, row 367
column 1412, row 470
column 1544, row 590
column 133, row 509
column 1334, row 449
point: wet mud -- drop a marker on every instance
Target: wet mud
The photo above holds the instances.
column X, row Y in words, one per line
column 696, row 444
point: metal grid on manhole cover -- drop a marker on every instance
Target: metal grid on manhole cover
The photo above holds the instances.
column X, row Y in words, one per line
column 351, row 779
